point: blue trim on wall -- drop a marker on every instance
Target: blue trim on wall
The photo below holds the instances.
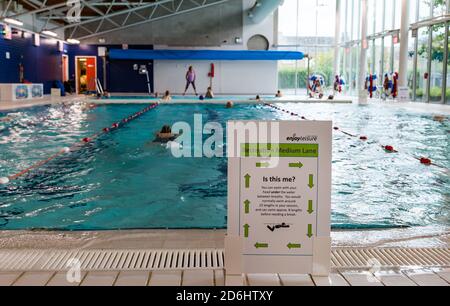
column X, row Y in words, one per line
column 226, row 55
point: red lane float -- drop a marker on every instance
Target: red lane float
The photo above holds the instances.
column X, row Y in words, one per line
column 6, row 180
column 389, row 149
column 425, row 161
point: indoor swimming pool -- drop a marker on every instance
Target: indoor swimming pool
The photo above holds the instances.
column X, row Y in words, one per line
column 125, row 181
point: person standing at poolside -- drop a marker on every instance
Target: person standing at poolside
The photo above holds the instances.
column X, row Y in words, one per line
column 190, row 79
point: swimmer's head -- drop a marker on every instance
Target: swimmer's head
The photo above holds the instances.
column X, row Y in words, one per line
column 439, row 118
column 166, row 129
column 230, row 104
column 167, row 93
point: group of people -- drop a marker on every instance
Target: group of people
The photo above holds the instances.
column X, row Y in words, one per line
column 316, row 87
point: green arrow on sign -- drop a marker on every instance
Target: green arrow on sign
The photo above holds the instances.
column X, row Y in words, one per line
column 262, row 165
column 246, row 230
column 247, row 180
column 247, row 206
column 294, row 246
column 261, row 245
column 310, row 231
column 310, row 207
column 311, row 181
column 296, row 165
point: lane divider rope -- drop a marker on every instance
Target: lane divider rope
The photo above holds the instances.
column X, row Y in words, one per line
column 84, row 141
column 388, row 148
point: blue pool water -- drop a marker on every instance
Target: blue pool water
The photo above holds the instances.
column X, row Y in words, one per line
column 124, row 181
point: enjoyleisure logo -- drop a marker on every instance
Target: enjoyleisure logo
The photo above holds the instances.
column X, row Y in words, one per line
column 295, row 138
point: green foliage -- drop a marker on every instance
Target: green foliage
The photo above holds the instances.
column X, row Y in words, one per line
column 435, row 93
column 286, row 78
column 438, row 34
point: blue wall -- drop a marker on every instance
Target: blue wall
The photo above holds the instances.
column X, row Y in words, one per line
column 123, row 78
column 41, row 64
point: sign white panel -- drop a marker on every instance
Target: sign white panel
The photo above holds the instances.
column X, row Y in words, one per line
column 279, row 196
column 403, row 94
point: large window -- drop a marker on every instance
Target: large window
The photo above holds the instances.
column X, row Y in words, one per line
column 422, row 74
column 437, row 62
column 447, row 92
column 308, row 26
column 424, row 9
column 411, row 63
column 428, row 60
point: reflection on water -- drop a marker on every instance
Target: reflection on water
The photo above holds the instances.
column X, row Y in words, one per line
column 123, row 181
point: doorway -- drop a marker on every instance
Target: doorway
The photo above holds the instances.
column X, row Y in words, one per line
column 85, row 74
column 65, row 68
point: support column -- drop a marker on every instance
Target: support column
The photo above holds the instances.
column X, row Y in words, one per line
column 363, row 56
column 337, row 39
column 404, row 42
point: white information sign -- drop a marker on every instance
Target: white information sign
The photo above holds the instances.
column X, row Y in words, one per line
column 279, row 197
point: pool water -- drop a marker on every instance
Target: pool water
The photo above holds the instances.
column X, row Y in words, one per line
column 124, row 181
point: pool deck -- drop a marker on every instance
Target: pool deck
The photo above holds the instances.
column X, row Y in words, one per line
column 219, row 101
column 438, row 109
column 420, row 237
column 39, row 258
column 47, row 100
column 400, row 277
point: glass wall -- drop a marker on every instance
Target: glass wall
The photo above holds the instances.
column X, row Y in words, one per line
column 301, row 28
column 422, row 65
column 428, row 67
column 437, row 60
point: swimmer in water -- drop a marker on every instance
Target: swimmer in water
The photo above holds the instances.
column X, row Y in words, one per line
column 229, row 104
column 190, row 80
column 167, row 97
column 86, row 107
column 258, row 99
column 6, row 119
column 166, row 135
column 279, row 94
column 209, row 93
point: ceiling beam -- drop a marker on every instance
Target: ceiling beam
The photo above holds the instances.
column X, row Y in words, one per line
column 117, row 13
column 178, row 11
